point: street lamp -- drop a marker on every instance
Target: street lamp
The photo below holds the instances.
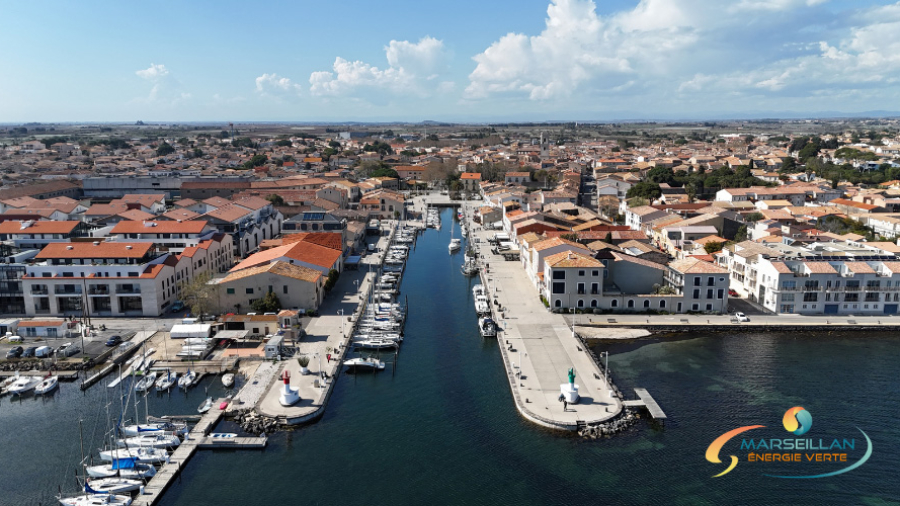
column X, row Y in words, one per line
column 341, row 311
column 606, row 366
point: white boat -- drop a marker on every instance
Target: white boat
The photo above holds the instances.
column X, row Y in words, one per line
column 150, row 441
column 166, row 381
column 454, row 245
column 364, row 363
column 228, row 380
column 114, row 485
column 487, row 327
column 155, row 428
column 206, row 405
column 125, row 468
column 187, row 380
column 482, row 305
column 146, row 383
column 375, row 344
column 289, row 396
column 142, row 455
column 24, row 384
column 48, row 384
column 96, row 500
column 8, row 381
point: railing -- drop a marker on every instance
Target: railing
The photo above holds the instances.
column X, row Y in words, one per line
column 98, row 291
column 128, row 290
column 62, row 290
column 39, row 291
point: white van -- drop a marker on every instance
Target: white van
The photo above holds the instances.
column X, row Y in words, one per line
column 43, row 352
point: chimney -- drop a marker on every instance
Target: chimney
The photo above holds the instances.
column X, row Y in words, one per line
column 96, row 243
column 128, row 246
column 70, row 247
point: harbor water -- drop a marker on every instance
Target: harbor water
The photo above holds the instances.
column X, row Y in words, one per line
column 438, row 425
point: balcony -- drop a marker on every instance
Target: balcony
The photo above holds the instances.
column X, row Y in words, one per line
column 128, row 290
column 98, row 290
column 35, row 290
column 67, row 290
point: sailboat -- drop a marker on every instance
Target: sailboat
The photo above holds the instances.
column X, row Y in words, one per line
column 166, row 381
column 455, row 244
column 95, row 498
column 125, row 468
column 206, row 405
column 141, row 455
column 48, row 384
column 114, row 485
column 188, row 379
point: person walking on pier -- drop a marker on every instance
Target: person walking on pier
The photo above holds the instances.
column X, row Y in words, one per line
column 565, row 405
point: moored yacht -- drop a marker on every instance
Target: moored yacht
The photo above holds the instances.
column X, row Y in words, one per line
column 364, row 364
column 150, row 441
column 24, row 384
column 142, row 455
column 487, row 327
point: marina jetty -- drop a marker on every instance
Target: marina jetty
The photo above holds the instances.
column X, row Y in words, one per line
column 539, row 349
column 619, row 326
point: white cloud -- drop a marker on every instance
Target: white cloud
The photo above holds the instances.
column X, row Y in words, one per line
column 166, row 90
column 412, row 68
column 273, row 85
column 667, row 50
column 154, row 72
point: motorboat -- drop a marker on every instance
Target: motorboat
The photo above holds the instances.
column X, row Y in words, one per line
column 96, row 500
column 142, row 455
column 154, row 428
column 206, row 405
column 469, row 268
column 455, row 245
column 187, row 380
column 487, row 327
column 124, row 468
column 48, row 384
column 150, row 441
column 115, row 485
column 166, row 381
column 482, row 305
column 24, row 384
column 8, row 381
column 228, row 380
column 477, row 290
column 289, row 396
column 146, row 383
column 364, row 363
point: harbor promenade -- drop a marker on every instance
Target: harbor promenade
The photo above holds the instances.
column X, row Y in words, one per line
column 329, row 333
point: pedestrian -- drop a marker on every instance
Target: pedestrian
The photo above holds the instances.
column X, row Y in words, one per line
column 565, row 405
column 328, row 356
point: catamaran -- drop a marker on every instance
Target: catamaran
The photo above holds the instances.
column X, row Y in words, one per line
column 24, row 384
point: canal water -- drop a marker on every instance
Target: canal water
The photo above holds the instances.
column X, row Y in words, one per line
column 438, row 426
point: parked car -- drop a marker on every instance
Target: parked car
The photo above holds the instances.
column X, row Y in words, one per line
column 114, row 341
column 62, row 348
column 732, row 293
column 177, row 306
column 29, row 351
column 43, row 352
column 72, row 349
column 15, row 352
column 741, row 317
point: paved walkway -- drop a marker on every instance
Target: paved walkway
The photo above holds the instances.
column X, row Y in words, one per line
column 328, row 333
column 812, row 322
column 539, row 349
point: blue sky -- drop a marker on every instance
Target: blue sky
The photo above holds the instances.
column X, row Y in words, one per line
column 456, row 61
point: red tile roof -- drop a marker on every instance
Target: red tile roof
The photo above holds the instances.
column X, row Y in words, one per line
column 38, row 227
column 91, row 250
column 159, row 227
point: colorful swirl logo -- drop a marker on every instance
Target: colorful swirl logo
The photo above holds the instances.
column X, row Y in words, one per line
column 797, row 420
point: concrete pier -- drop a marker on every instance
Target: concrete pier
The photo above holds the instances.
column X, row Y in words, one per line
column 538, row 347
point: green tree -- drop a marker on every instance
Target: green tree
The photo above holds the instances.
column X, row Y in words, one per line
column 276, row 200
column 197, row 293
column 753, row 217
column 256, row 161
column 164, row 149
column 284, row 143
column 198, row 153
column 333, row 276
column 713, row 246
column 741, row 234
column 788, row 165
column 267, row 304
column 661, row 175
column 645, row 190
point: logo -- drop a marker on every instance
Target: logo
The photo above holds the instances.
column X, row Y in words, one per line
column 803, row 452
column 797, row 420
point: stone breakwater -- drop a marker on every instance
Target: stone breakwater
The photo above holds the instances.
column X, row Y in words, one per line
column 254, row 423
column 41, row 365
column 626, row 419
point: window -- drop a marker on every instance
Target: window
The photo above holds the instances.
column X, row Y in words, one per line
column 615, row 303
column 709, row 293
column 581, row 273
column 580, row 303
column 720, row 294
column 709, row 307
column 710, row 281
column 646, row 303
column 593, row 302
column 284, row 289
column 810, row 297
column 788, row 297
column 696, row 280
column 595, row 273
column 558, row 303
column 559, row 274
column 249, row 291
column 679, row 308
column 630, row 303
column 695, row 307
column 581, row 288
column 229, row 291
column 788, row 285
column 696, row 293
column 595, row 288
column 559, row 288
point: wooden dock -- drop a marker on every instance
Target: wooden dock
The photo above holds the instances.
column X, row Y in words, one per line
column 646, row 400
column 235, row 442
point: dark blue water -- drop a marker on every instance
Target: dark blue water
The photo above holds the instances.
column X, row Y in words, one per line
column 439, row 427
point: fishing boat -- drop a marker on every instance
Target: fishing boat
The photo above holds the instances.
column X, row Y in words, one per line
column 24, row 384
column 228, row 380
column 146, row 383
column 48, row 384
column 125, row 468
column 150, row 441
column 289, row 396
column 142, row 455
column 187, row 380
column 206, row 405
column 487, row 327
column 364, row 363
column 114, row 485
column 166, row 381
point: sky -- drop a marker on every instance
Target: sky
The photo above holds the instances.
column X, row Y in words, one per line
column 466, row 60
